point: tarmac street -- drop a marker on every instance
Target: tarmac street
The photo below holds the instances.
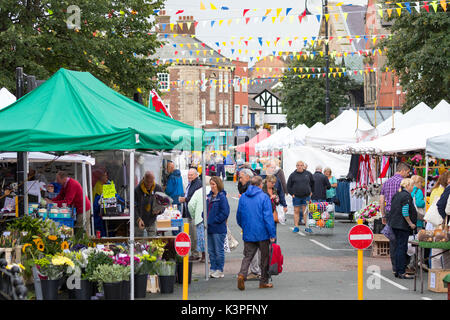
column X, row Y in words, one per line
column 318, row 266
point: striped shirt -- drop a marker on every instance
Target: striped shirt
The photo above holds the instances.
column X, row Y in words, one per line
column 405, row 210
column 390, row 188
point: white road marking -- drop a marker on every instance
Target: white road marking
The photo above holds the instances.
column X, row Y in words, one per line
column 390, row 281
column 426, row 298
column 301, row 233
column 320, row 244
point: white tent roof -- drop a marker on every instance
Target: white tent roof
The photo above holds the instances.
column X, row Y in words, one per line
column 410, row 139
column 386, row 126
column 45, row 157
column 439, row 146
column 297, row 138
column 339, row 131
column 274, row 140
column 6, row 98
column 420, row 114
column 441, row 112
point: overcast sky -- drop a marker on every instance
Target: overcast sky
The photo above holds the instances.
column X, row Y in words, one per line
column 269, row 31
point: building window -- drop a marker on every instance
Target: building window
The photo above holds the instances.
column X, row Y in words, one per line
column 203, row 86
column 244, row 115
column 212, row 98
column 244, row 84
column 226, row 113
column 237, row 114
column 203, row 112
column 226, row 82
column 220, row 113
column 221, row 82
column 163, row 81
column 236, row 84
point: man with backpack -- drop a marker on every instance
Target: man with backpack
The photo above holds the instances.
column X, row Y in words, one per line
column 255, row 217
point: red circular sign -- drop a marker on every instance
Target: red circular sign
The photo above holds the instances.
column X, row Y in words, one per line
column 360, row 237
column 182, row 244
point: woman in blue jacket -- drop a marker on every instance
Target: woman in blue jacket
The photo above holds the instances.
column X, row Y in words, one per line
column 217, row 215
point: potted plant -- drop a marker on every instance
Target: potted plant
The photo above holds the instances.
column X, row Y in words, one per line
column 145, row 267
column 179, row 270
column 83, row 287
column 95, row 258
column 166, row 274
column 51, row 270
column 110, row 278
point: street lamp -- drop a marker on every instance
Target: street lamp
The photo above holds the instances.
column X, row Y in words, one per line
column 327, row 60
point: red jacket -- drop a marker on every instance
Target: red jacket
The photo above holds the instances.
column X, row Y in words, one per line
column 72, row 194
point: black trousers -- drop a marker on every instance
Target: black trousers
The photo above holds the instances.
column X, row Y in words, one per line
column 250, row 249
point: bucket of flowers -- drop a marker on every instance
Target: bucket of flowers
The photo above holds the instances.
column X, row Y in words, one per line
column 51, row 269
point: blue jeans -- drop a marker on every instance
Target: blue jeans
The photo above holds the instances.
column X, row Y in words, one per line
column 216, row 250
column 297, row 202
column 401, row 249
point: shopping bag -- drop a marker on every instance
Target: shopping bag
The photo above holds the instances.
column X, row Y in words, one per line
column 411, row 251
column 281, row 214
column 388, row 233
column 226, row 246
column 432, row 216
column 232, row 242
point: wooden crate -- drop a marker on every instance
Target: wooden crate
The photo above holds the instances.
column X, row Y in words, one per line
column 380, row 246
column 435, row 277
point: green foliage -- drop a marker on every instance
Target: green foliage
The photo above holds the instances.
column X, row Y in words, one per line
column 419, row 52
column 165, row 268
column 303, row 100
column 110, row 273
column 94, row 260
column 113, row 41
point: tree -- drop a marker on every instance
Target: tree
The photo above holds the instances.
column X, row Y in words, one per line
column 303, row 99
column 110, row 39
column 419, row 52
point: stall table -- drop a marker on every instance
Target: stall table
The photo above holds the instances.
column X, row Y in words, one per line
column 419, row 259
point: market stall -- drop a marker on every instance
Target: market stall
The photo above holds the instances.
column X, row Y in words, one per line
column 249, row 147
column 95, row 118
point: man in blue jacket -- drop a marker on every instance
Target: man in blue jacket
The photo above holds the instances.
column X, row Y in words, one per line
column 255, row 217
column 174, row 187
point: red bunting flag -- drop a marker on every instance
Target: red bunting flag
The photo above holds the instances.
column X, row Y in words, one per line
column 179, row 11
column 245, row 11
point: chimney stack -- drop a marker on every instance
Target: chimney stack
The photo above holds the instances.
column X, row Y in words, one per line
column 186, row 25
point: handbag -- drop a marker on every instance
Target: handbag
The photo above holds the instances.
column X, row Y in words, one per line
column 230, row 242
column 388, row 232
column 275, row 216
column 420, row 211
column 432, row 215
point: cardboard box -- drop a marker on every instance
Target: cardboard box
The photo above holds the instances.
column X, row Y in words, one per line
column 163, row 224
column 435, row 282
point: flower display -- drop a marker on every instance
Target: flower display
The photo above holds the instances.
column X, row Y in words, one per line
column 369, row 213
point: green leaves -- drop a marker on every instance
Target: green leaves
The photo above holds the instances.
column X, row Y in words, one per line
column 112, row 42
column 419, row 52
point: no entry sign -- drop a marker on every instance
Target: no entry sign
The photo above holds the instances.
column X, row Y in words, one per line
column 360, row 237
column 182, row 244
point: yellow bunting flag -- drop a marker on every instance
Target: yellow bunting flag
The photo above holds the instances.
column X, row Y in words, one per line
column 399, row 11
column 279, row 11
column 180, row 25
column 336, row 16
column 345, row 16
column 273, row 19
column 229, row 21
column 268, row 11
column 444, row 5
column 435, row 5
column 213, row 7
column 380, row 12
column 202, row 6
column 327, row 16
column 282, row 18
column 389, row 11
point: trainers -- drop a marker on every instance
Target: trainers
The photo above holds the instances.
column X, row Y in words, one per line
column 308, row 230
column 241, row 282
column 211, row 272
column 217, row 274
column 295, row 230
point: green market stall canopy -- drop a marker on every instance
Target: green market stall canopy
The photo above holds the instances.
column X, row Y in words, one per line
column 75, row 111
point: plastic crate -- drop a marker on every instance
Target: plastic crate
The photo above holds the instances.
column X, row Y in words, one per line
column 66, row 222
column 177, row 223
column 380, row 246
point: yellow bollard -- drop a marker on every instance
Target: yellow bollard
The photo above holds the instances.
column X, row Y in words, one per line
column 360, row 270
column 186, row 268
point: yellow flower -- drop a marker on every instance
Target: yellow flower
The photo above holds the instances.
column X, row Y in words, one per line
column 52, row 237
column 64, row 245
column 25, row 246
column 37, row 240
column 40, row 246
column 60, row 261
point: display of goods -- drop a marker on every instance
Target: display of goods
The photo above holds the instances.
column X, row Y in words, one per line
column 325, row 215
column 316, row 215
column 311, row 223
column 329, row 223
column 440, row 236
column 425, row 235
column 318, row 206
column 321, row 223
column 369, row 213
column 330, row 208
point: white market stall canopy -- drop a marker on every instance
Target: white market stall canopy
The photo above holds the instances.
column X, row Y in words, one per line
column 441, row 112
column 411, row 139
column 6, row 98
column 386, row 126
column 45, row 157
column 339, row 131
column 439, row 146
column 297, row 138
column 418, row 115
column 274, row 141
column 338, row 163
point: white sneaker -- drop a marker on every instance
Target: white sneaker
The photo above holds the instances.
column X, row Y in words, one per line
column 211, row 272
column 218, row 274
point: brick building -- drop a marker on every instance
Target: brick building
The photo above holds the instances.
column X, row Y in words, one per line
column 198, row 87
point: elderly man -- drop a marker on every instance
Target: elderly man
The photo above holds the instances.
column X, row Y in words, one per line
column 193, row 185
column 300, row 186
column 244, row 180
column 72, row 194
column 144, row 195
column 321, row 185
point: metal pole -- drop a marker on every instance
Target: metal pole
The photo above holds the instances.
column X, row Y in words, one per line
column 426, row 176
column 92, row 201
column 327, row 68
column 205, row 215
column 84, row 193
column 131, row 242
column 21, row 156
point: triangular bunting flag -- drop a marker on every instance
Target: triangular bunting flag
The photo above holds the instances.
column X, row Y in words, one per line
column 288, row 10
column 435, row 5
column 279, row 11
column 202, row 6
column 213, row 7
column 245, row 11
column 444, row 5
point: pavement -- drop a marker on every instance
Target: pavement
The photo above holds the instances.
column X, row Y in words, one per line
column 321, row 266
